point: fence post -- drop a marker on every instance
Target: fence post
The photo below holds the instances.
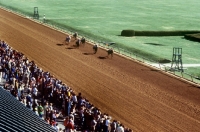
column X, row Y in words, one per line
column 182, row 74
column 165, row 69
column 191, row 78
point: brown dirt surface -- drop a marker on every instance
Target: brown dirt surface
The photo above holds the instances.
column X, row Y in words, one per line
column 141, row 97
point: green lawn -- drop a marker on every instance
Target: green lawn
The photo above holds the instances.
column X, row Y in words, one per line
column 104, row 20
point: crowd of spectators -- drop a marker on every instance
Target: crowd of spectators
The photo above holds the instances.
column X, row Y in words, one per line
column 49, row 97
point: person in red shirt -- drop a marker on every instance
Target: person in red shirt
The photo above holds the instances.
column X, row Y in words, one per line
column 69, row 126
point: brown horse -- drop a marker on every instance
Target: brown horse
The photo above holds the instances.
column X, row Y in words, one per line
column 95, row 48
column 75, row 35
column 83, row 41
column 78, row 43
column 68, row 39
column 110, row 52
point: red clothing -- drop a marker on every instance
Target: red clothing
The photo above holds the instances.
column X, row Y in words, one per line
column 68, row 124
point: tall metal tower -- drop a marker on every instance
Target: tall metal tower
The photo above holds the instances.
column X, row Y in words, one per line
column 36, row 13
column 177, row 59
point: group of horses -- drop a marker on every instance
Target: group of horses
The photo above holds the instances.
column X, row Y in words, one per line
column 78, row 40
column 82, row 41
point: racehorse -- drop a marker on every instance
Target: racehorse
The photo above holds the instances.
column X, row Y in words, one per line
column 83, row 40
column 68, row 39
column 78, row 43
column 95, row 48
column 75, row 35
column 110, row 52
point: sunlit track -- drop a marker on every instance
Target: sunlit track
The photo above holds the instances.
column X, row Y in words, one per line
column 139, row 96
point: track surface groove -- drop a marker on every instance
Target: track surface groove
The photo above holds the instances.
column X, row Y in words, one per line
column 141, row 97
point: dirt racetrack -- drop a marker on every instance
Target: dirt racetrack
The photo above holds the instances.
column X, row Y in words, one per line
column 141, row 97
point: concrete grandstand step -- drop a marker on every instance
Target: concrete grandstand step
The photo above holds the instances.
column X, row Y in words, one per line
column 14, row 116
column 2, row 129
column 16, row 123
column 6, row 127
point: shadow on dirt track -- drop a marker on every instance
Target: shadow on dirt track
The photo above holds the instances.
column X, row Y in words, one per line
column 88, row 53
column 102, row 57
column 60, row 44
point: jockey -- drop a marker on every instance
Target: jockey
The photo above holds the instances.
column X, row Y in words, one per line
column 68, row 38
column 95, row 48
column 83, row 40
column 78, row 42
column 75, row 35
column 110, row 52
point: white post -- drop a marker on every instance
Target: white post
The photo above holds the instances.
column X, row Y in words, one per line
column 44, row 19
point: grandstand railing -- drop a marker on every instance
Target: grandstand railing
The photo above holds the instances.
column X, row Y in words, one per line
column 118, row 50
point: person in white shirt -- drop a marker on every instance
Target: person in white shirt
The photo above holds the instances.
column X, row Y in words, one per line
column 35, row 91
column 107, row 123
column 74, row 99
column 120, row 128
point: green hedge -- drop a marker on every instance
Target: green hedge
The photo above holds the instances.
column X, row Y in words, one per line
column 130, row 33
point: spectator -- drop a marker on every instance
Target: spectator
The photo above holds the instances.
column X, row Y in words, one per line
column 54, row 115
column 35, row 106
column 48, row 120
column 59, row 99
column 54, row 124
column 51, row 107
column 26, row 79
column 74, row 99
column 35, row 91
column 113, row 126
column 57, row 127
column 29, row 101
column 69, row 127
column 120, row 128
column 48, row 114
column 46, row 106
column 40, row 110
column 93, row 125
column 107, row 124
column 67, row 106
column 60, row 130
